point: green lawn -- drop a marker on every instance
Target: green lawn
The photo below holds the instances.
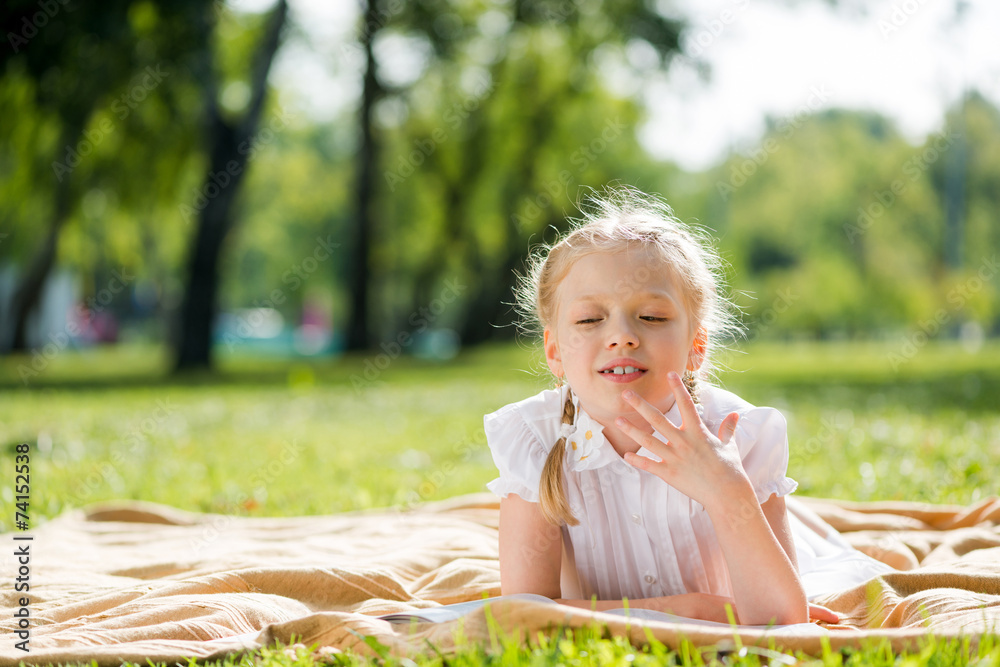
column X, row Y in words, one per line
column 266, row 437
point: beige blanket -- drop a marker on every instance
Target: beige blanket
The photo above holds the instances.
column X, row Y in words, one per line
column 131, row 581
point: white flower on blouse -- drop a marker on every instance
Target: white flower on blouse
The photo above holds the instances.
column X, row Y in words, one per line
column 586, row 446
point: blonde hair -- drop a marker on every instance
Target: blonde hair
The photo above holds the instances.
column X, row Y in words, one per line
column 551, row 495
column 617, row 220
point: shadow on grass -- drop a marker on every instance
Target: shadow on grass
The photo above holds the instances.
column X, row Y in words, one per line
column 124, row 367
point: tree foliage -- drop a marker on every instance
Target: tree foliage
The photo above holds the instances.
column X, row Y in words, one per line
column 834, row 223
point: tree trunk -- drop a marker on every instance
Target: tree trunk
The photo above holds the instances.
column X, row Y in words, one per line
column 227, row 167
column 359, row 273
column 954, row 191
column 29, row 292
column 214, row 223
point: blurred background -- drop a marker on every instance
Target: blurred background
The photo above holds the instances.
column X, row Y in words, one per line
column 256, row 257
column 308, row 177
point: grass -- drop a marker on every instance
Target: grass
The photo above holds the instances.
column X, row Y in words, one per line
column 588, row 647
column 271, row 438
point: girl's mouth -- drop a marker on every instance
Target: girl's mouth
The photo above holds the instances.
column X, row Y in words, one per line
column 622, row 374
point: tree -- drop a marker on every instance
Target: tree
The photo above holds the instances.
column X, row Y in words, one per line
column 65, row 55
column 230, row 146
column 77, row 62
column 358, row 334
column 501, row 143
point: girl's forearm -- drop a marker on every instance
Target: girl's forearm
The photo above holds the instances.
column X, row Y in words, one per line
column 690, row 605
column 751, row 550
column 594, row 605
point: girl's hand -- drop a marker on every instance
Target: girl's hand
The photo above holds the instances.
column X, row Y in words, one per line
column 694, row 461
column 713, row 608
column 818, row 613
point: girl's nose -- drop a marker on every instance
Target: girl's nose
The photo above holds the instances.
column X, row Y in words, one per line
column 622, row 336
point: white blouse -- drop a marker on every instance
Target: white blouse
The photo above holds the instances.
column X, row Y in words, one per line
column 639, row 537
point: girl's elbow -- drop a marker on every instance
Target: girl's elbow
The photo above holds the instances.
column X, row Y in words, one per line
column 789, row 614
column 795, row 613
column 793, row 618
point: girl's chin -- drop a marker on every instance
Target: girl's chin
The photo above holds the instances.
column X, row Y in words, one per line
column 608, row 402
column 608, row 409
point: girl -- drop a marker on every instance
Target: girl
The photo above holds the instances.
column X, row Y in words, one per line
column 636, row 478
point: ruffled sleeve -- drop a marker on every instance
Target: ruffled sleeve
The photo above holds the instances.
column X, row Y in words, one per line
column 518, row 453
column 761, row 435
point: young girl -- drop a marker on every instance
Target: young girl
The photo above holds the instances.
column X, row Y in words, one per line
column 636, row 478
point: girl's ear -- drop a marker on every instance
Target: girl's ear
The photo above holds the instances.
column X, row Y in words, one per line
column 552, row 356
column 697, row 354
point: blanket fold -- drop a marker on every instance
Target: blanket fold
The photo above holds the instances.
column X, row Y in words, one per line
column 137, row 581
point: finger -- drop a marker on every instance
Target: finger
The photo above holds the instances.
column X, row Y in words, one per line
column 818, row 613
column 686, row 405
column 728, row 426
column 647, row 440
column 648, row 412
column 640, row 462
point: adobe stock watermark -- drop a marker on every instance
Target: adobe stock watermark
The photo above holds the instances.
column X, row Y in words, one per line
column 912, row 169
column 705, row 35
column 832, row 429
column 419, row 320
column 238, row 503
column 541, row 544
column 898, row 16
column 59, row 341
column 783, row 301
column 555, row 13
column 294, row 277
column 456, row 114
column 47, row 10
column 740, row 173
column 123, row 105
column 582, row 157
column 220, row 180
column 384, row 12
column 433, row 481
column 104, row 472
column 893, row 548
column 957, row 297
column 634, row 281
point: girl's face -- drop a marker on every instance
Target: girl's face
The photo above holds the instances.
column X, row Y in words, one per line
column 621, row 323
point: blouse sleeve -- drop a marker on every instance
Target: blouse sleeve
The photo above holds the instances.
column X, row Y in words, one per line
column 518, row 453
column 761, row 435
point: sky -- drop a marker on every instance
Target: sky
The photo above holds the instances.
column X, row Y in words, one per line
column 906, row 59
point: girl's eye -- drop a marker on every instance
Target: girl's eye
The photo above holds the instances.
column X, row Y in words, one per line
column 651, row 318
column 588, row 320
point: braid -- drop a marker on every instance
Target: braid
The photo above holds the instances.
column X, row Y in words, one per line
column 551, row 494
column 691, row 383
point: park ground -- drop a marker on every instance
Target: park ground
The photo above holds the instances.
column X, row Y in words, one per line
column 268, row 437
